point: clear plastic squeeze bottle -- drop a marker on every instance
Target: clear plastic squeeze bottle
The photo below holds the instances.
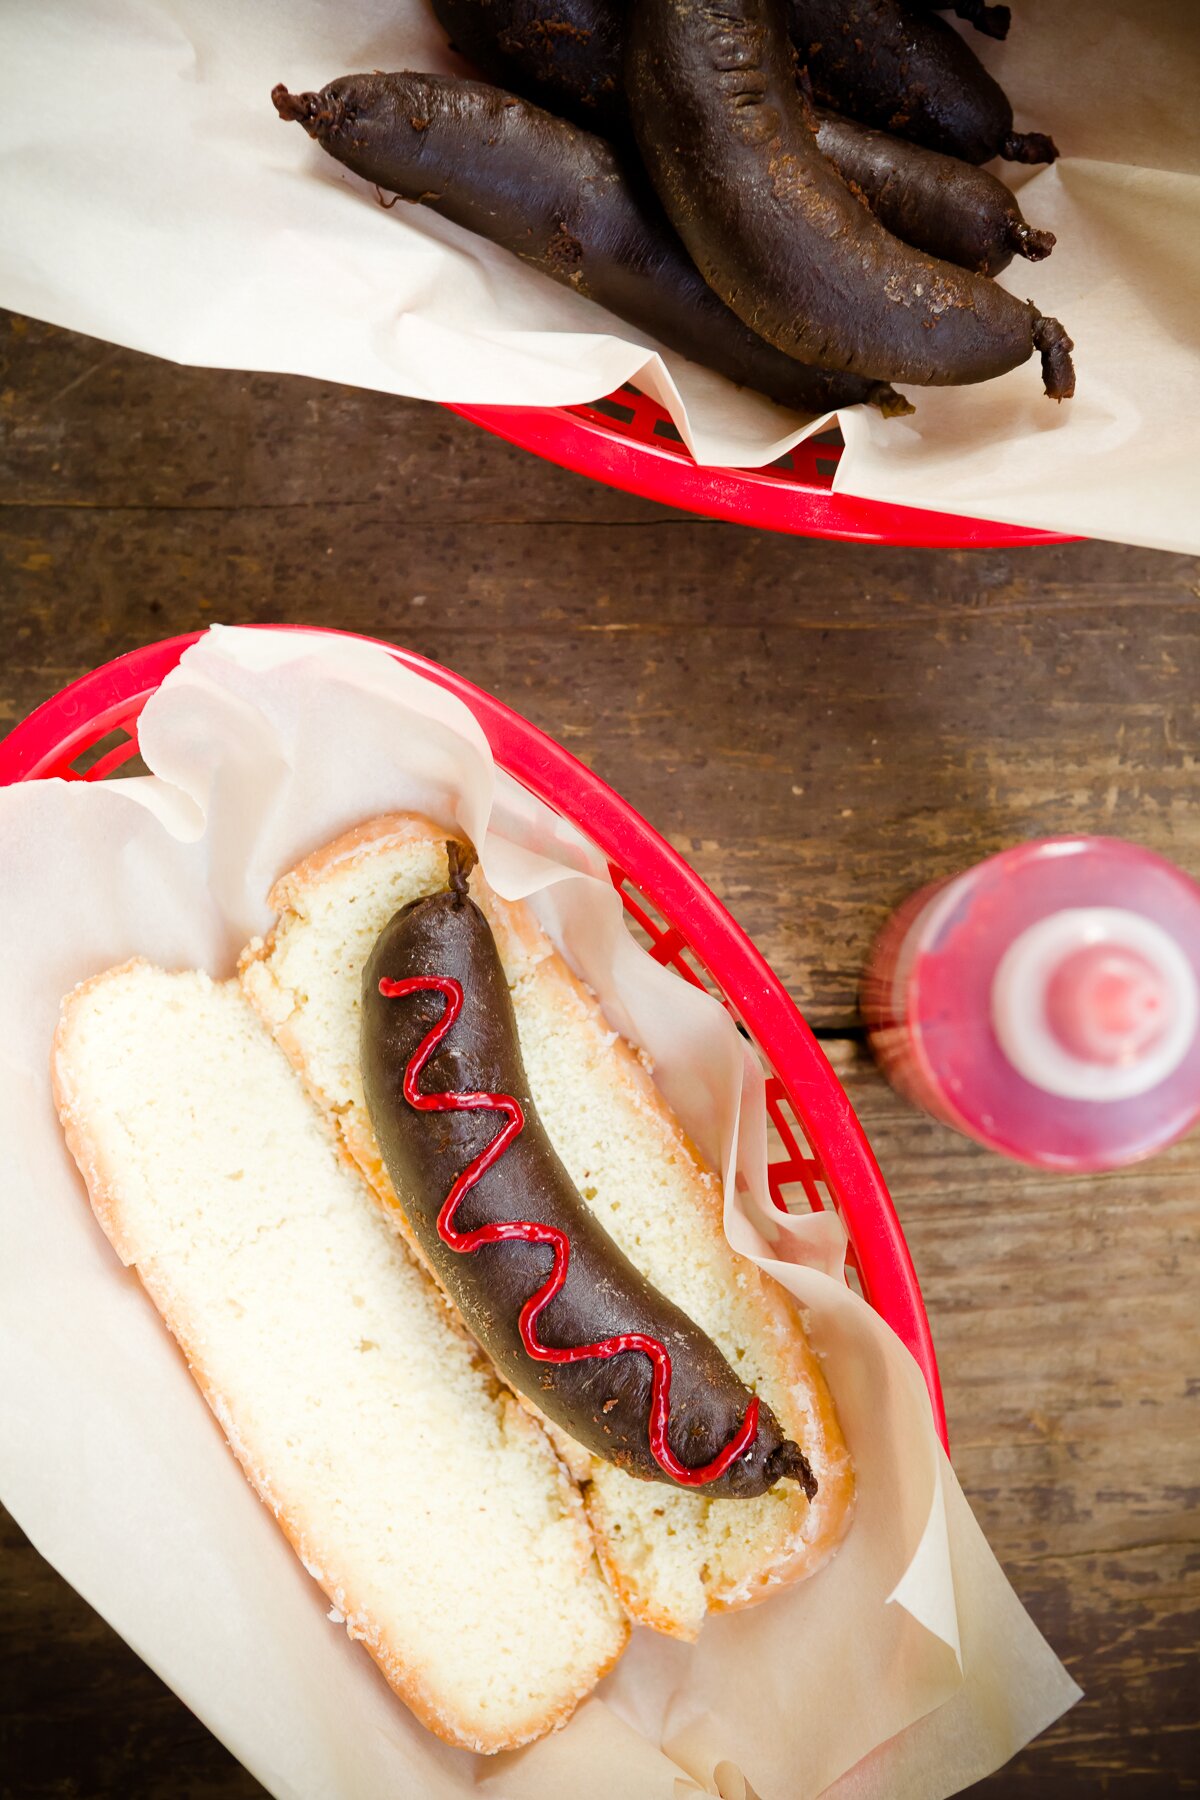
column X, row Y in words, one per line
column 1047, row 1002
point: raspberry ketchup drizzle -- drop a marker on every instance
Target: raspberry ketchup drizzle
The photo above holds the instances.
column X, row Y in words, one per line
column 530, row 1232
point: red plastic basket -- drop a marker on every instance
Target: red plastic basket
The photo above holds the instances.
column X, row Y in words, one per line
column 820, row 1154
column 627, row 441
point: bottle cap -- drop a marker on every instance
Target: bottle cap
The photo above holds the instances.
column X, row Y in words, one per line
column 1095, row 1003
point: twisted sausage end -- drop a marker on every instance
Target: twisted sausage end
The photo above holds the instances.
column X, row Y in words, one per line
column 461, row 859
column 1058, row 371
column 1029, row 242
column 319, row 114
column 788, row 1463
column 1029, row 147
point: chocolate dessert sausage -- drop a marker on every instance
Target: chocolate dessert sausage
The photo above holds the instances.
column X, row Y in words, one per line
column 907, row 71
column 936, row 203
column 561, row 200
column 727, row 139
column 566, row 56
column 563, row 54
column 565, row 1316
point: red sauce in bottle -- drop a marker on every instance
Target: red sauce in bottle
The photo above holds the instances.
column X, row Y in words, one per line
column 530, row 1232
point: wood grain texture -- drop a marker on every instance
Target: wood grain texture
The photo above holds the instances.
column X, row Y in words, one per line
column 819, row 728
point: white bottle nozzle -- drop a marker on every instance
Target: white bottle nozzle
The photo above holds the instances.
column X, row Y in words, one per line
column 1095, row 1003
column 1106, row 1003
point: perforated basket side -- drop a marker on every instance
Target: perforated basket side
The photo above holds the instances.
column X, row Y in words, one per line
column 819, row 1157
column 627, row 441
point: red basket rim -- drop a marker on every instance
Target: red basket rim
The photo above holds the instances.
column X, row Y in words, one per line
column 45, row 742
column 762, row 498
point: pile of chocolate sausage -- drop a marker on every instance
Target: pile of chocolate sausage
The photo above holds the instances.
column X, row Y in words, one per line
column 786, row 191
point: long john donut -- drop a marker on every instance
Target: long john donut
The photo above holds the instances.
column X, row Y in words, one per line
column 528, row 1231
column 565, row 1315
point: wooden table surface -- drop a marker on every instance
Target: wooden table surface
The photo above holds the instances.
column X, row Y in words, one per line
column 819, row 728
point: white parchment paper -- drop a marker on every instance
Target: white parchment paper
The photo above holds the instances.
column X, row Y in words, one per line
column 149, row 195
column 905, row 1668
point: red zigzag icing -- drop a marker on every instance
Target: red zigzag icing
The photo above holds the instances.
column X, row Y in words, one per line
column 530, row 1232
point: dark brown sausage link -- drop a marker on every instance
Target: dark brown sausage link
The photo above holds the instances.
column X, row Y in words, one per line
column 560, row 199
column 564, row 55
column 936, row 203
column 993, row 21
column 728, row 142
column 908, row 72
column 604, row 1403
